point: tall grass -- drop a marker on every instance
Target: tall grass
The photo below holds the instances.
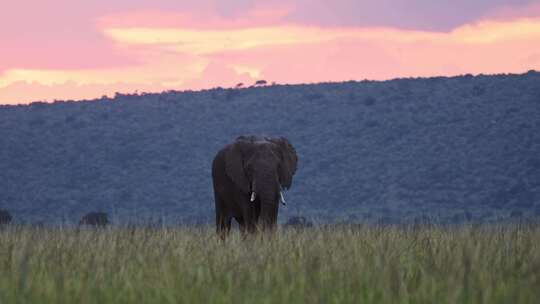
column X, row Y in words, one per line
column 320, row 265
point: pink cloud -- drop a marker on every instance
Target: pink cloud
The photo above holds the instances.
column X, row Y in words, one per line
column 69, row 55
column 64, row 34
column 403, row 14
column 512, row 12
column 218, row 74
column 331, row 61
column 260, row 16
column 13, row 94
column 54, row 34
column 489, row 47
column 62, row 49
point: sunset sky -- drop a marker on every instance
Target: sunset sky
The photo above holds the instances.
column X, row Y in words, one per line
column 74, row 49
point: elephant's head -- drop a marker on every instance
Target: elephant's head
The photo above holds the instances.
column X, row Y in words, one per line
column 261, row 167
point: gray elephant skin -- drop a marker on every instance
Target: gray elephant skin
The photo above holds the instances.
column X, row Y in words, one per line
column 249, row 176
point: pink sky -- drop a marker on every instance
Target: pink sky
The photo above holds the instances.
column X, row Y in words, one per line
column 65, row 49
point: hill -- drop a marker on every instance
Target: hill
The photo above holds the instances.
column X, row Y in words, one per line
column 458, row 148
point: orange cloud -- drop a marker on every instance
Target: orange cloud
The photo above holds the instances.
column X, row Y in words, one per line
column 256, row 17
column 299, row 54
column 491, row 32
column 184, row 57
column 13, row 93
column 201, row 42
column 219, row 74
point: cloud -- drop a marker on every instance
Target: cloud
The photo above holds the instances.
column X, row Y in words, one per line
column 218, row 74
column 298, row 53
column 213, row 75
column 200, row 42
column 259, row 16
column 505, row 12
column 24, row 92
column 403, row 14
column 191, row 45
column 55, row 34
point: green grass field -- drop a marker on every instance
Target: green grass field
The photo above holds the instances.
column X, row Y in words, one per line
column 495, row 264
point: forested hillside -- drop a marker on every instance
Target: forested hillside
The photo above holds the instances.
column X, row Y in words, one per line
column 453, row 149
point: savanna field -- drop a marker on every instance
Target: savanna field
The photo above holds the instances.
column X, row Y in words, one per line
column 148, row 149
column 338, row 264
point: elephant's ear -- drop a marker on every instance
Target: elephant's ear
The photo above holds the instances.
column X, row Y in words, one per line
column 289, row 161
column 234, row 164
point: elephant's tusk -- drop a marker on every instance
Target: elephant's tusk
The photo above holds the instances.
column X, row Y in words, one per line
column 282, row 199
column 253, row 195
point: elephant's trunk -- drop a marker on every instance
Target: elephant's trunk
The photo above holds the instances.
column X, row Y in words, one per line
column 267, row 191
column 269, row 210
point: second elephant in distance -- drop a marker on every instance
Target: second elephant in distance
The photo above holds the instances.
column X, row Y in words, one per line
column 97, row 219
column 248, row 177
column 5, row 217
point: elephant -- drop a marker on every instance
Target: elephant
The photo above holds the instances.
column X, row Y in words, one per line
column 249, row 176
column 99, row 219
column 5, row 217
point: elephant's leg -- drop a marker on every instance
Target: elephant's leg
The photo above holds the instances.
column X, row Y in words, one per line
column 251, row 225
column 223, row 225
column 248, row 217
column 228, row 221
column 219, row 225
column 241, row 223
column 221, row 218
column 255, row 213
